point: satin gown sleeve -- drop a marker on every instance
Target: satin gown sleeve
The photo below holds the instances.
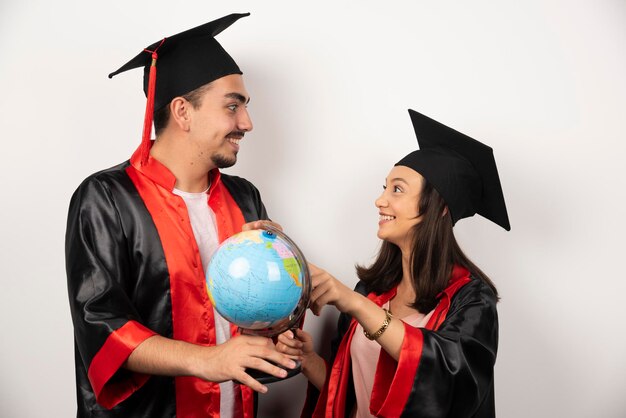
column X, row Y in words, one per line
column 107, row 327
column 447, row 372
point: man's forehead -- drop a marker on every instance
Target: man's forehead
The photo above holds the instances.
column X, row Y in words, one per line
column 230, row 87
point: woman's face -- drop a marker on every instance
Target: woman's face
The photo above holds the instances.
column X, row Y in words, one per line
column 398, row 206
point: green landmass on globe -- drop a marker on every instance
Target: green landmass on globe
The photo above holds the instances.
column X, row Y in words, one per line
column 254, row 279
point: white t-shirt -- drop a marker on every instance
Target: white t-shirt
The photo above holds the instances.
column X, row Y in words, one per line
column 205, row 231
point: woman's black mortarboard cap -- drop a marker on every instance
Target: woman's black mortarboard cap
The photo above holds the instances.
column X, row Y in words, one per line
column 186, row 61
column 460, row 168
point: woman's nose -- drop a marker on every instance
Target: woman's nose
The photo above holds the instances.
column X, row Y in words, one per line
column 380, row 202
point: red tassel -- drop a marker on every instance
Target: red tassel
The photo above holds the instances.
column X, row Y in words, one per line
column 147, row 121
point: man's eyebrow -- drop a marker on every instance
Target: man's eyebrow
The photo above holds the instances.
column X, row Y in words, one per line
column 239, row 97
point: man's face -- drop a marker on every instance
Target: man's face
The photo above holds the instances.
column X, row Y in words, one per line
column 221, row 121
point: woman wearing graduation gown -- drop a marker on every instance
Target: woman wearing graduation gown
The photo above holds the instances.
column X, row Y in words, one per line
column 418, row 336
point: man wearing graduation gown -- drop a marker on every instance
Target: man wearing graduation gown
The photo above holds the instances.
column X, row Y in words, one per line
column 147, row 339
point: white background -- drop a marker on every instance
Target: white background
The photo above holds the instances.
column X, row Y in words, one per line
column 542, row 82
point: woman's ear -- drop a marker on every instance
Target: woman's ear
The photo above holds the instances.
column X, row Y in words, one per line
column 445, row 211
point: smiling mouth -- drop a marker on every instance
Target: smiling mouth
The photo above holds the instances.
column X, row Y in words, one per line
column 386, row 218
column 235, row 137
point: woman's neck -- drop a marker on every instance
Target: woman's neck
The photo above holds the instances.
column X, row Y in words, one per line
column 405, row 295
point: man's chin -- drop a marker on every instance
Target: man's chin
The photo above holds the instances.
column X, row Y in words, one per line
column 221, row 161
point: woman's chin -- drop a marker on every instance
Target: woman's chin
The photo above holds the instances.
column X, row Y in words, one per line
column 385, row 237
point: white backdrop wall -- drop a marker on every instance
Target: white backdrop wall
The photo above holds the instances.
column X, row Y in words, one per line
column 542, row 82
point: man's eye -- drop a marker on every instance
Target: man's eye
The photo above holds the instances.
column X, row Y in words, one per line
column 233, row 107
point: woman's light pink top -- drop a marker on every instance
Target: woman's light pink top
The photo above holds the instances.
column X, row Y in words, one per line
column 365, row 355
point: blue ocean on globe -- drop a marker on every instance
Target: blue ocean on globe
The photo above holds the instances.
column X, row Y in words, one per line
column 254, row 280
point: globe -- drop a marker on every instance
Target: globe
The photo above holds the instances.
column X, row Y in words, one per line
column 259, row 280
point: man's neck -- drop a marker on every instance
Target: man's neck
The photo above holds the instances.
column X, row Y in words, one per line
column 191, row 175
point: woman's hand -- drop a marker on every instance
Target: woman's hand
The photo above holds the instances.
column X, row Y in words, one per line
column 300, row 347
column 327, row 290
column 297, row 344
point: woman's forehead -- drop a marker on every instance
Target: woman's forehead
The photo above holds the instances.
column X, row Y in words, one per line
column 406, row 174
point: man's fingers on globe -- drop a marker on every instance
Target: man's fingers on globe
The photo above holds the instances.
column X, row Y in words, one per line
column 260, row 225
column 249, row 226
column 273, row 224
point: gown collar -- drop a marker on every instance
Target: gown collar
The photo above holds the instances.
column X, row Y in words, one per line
column 458, row 273
column 161, row 175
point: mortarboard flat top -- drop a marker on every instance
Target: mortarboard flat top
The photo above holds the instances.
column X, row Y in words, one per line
column 460, row 168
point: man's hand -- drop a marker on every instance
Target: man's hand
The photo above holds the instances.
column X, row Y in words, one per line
column 163, row 356
column 260, row 225
column 228, row 361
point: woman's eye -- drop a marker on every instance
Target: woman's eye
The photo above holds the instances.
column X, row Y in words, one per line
column 396, row 189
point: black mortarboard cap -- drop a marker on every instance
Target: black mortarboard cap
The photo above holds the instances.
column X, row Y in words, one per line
column 463, row 170
column 186, row 61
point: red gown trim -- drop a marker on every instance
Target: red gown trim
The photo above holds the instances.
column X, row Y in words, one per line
column 110, row 358
column 393, row 380
column 460, row 277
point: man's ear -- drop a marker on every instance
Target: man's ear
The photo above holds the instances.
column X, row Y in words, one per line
column 180, row 113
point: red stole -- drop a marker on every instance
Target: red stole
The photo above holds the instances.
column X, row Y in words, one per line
column 192, row 312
